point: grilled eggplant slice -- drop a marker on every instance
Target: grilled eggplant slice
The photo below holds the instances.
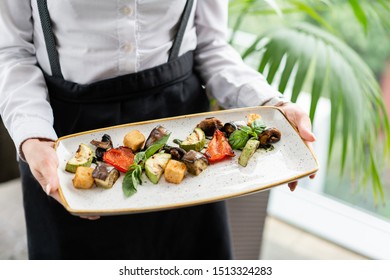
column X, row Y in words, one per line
column 156, row 134
column 196, row 162
column 103, row 177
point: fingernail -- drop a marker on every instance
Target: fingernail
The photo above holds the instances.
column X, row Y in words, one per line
column 48, row 189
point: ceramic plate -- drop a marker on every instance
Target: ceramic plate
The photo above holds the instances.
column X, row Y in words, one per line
column 290, row 160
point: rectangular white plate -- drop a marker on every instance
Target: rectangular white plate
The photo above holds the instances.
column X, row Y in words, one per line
column 290, row 160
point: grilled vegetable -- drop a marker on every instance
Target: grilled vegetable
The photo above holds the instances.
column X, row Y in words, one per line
column 229, row 128
column 195, row 141
column 121, row 158
column 105, row 178
column 155, row 166
column 83, row 157
column 218, row 147
column 133, row 176
column 102, row 146
column 113, row 175
column 210, row 125
column 176, row 152
column 155, row 135
column 106, row 142
column 195, row 161
column 100, row 171
column 269, row 136
column 248, row 151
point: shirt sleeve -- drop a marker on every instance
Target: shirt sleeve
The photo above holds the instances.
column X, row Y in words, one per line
column 227, row 77
column 24, row 105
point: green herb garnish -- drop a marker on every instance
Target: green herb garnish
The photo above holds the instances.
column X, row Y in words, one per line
column 239, row 137
column 133, row 176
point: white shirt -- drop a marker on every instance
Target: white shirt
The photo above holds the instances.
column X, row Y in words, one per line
column 99, row 39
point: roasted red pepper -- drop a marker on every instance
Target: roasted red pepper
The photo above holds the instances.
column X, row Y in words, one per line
column 218, row 147
column 121, row 158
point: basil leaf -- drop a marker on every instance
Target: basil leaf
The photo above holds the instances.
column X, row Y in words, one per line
column 138, row 174
column 258, row 126
column 128, row 186
column 238, row 139
column 156, row 146
column 140, row 159
column 134, row 178
column 246, row 129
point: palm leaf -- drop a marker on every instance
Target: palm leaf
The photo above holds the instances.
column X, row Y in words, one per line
column 359, row 13
column 311, row 11
column 367, row 13
column 322, row 59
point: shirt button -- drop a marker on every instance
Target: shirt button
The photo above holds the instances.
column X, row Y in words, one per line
column 127, row 11
column 127, row 47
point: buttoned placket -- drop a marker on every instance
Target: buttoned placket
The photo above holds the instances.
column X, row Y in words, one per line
column 127, row 36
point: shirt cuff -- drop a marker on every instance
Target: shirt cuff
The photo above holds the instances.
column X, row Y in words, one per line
column 28, row 129
column 260, row 93
column 276, row 101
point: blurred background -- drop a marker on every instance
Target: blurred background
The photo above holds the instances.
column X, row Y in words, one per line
column 333, row 58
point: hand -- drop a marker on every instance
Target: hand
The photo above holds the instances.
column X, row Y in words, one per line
column 302, row 122
column 43, row 161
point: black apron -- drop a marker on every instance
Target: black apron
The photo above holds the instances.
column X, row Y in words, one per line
column 199, row 232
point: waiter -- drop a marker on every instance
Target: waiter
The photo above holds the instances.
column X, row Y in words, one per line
column 75, row 65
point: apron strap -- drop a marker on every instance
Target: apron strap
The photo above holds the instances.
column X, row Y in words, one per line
column 49, row 39
column 174, row 52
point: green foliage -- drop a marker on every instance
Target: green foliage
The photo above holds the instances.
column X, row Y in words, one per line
column 302, row 48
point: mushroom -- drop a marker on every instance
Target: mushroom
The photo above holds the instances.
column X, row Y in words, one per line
column 269, row 136
column 229, row 128
column 102, row 146
column 176, row 152
column 105, row 143
column 209, row 125
column 100, row 172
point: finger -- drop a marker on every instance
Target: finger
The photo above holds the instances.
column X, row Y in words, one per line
column 312, row 176
column 91, row 218
column 293, row 185
column 304, row 128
